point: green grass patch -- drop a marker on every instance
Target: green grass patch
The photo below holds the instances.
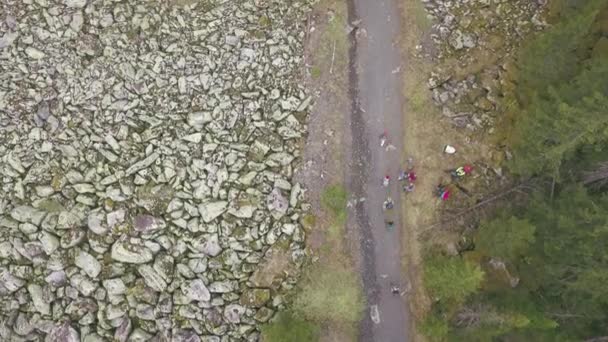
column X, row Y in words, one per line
column 315, row 72
column 288, row 327
column 333, row 199
column 330, row 293
column 420, row 15
column 435, row 328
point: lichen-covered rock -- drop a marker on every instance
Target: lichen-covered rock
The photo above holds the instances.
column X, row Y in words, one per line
column 152, row 278
column 255, row 297
column 138, row 169
column 196, row 290
column 148, row 223
column 211, row 210
column 87, row 263
column 131, row 251
column 63, row 333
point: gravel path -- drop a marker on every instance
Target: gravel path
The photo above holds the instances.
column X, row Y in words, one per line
column 376, row 103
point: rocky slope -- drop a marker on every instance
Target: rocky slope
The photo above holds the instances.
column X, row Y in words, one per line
column 147, row 150
column 476, row 41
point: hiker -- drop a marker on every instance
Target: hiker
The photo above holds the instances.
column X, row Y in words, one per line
column 395, row 289
column 388, row 204
column 411, row 176
column 461, row 171
column 383, row 139
column 390, row 225
column 386, row 180
column 402, row 176
column 410, row 163
column 409, row 187
column 442, row 192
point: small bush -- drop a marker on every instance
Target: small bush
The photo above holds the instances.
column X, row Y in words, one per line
column 451, row 279
column 434, row 328
column 287, row 327
column 334, row 200
column 331, row 294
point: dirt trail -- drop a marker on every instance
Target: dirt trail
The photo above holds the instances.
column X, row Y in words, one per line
column 375, row 79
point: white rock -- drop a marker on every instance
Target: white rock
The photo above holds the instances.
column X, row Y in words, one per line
column 242, row 211
column 115, row 217
column 196, row 290
column 63, row 333
column 194, row 138
column 84, row 188
column 8, row 39
column 198, row 120
column 9, row 281
column 211, row 210
column 75, row 3
column 49, row 242
column 114, row 286
column 211, row 246
column 87, row 263
column 152, row 278
column 233, row 312
column 26, row 213
column 95, row 222
column 142, row 164
column 34, row 53
column 132, row 252
column 39, row 302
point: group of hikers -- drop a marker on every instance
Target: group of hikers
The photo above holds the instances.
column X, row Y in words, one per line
column 408, row 178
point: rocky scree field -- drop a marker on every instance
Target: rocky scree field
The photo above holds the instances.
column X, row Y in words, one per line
column 146, row 152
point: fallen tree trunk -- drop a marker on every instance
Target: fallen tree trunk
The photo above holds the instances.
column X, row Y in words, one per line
column 480, row 204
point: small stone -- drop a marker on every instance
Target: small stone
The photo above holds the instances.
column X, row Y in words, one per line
column 142, row 164
column 95, row 222
column 233, row 312
column 220, row 287
column 56, row 279
column 255, row 297
column 211, row 210
column 132, row 252
column 196, row 290
column 152, row 279
column 75, row 3
column 148, row 223
column 49, row 242
column 8, row 39
column 115, row 217
column 210, row 246
column 34, row 53
column 9, row 281
column 198, row 120
column 87, row 263
column 114, row 286
column 185, row 336
column 28, row 214
column 194, row 138
column 41, row 305
column 63, row 333
column 121, row 334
